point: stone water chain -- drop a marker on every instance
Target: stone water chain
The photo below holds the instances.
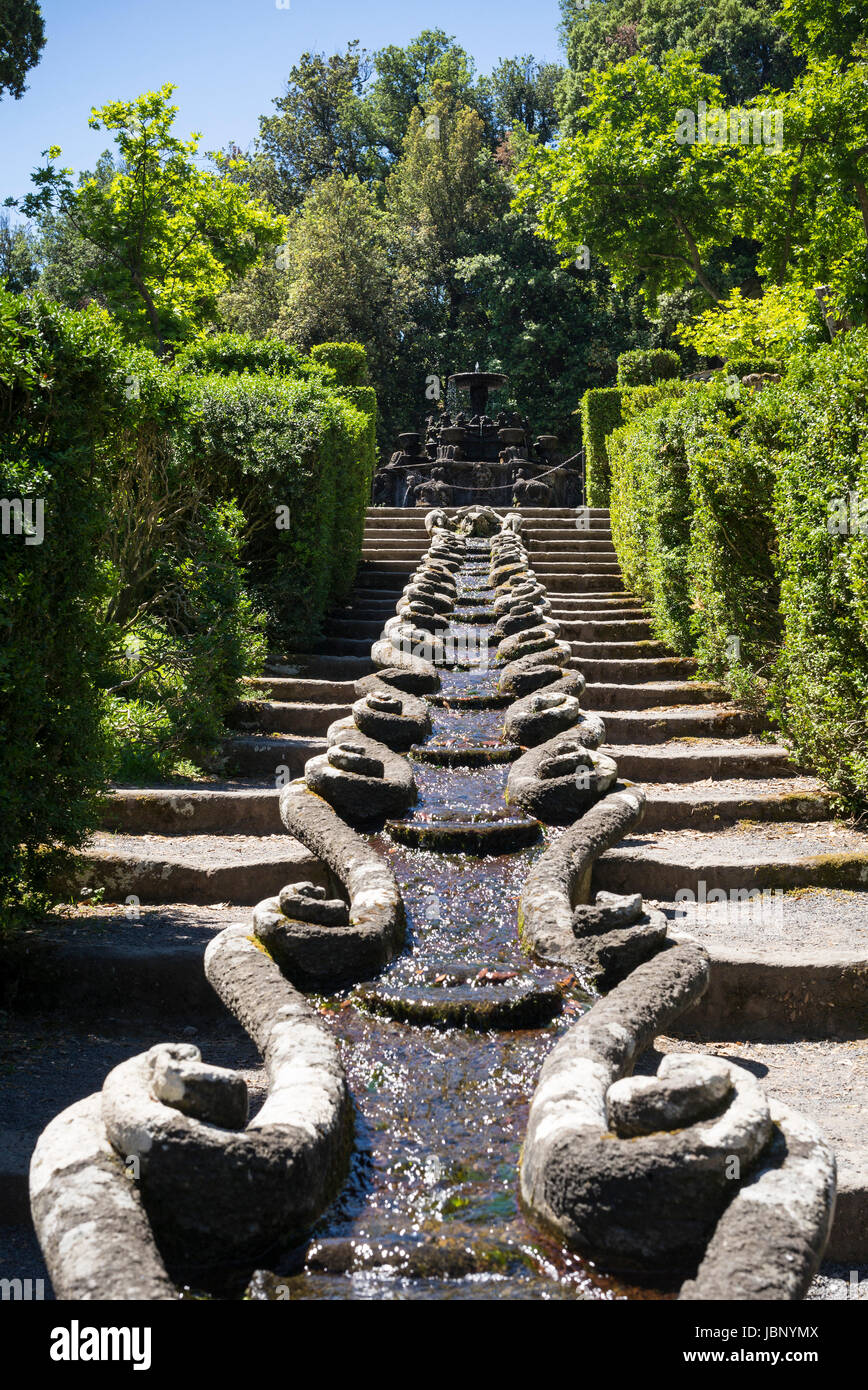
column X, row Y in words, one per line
column 743, row 1190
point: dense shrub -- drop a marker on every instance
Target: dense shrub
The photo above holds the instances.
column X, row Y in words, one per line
column 181, row 506
column 820, row 414
column 349, row 361
column 298, row 457
column 176, row 665
column 650, row 510
column 600, row 414
column 744, row 523
column 354, row 494
column 61, row 386
column 743, row 366
column 239, row 352
column 645, row 366
column 637, row 398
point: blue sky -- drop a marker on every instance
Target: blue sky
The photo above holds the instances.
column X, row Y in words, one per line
column 228, row 58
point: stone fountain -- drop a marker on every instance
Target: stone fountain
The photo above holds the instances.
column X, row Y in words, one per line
column 473, row 458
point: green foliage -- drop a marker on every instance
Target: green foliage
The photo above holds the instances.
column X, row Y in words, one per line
column 348, row 360
column 824, row 28
column 650, row 514
column 740, row 329
column 522, row 94
column 744, row 524
column 626, row 186
column 293, row 454
column 177, row 665
column 637, row 398
column 167, row 235
column 18, row 268
column 820, row 413
column 743, row 366
column 180, row 506
column 240, row 352
column 744, row 45
column 60, row 384
column 600, row 414
column 22, row 39
column 644, row 366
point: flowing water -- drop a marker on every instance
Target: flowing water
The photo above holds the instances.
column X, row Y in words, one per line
column 431, row 1210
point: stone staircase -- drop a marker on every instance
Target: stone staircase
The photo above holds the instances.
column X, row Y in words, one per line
column 701, row 759
column 178, row 863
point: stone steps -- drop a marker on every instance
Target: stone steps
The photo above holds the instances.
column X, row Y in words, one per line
column 265, row 755
column 656, row 726
column 694, row 760
column 576, row 547
column 782, row 855
column 649, row 695
column 242, row 808
column 614, row 651
column 194, row 868
column 709, row 805
column 302, row 690
column 287, row 716
column 564, row 583
column 634, row 671
column 600, row 630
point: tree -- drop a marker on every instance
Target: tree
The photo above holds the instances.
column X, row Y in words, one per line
column 162, row 237
column 555, row 330
column 808, row 206
column 405, row 82
column 342, row 282
column 522, row 93
column 322, row 123
column 825, row 28
column 742, row 44
column 22, row 39
column 626, row 188
column 18, row 257
column 443, row 192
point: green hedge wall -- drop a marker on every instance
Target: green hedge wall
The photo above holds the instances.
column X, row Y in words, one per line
column 645, row 366
column 61, row 388
column 354, row 494
column 600, row 414
column 125, row 633
column 650, row 513
column 298, row 457
column 238, row 352
column 820, row 414
column 739, row 521
column 349, row 361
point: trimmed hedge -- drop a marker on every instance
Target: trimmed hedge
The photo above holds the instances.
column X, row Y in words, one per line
column 125, row 633
column 650, row 515
column 354, row 494
column 739, row 521
column 600, row 414
column 238, row 352
column 298, row 457
column 61, row 388
column 645, row 366
column 820, row 690
column 349, row 362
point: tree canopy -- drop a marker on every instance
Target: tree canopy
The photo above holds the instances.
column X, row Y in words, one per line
column 22, row 39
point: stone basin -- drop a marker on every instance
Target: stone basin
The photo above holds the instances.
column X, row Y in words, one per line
column 459, row 835
column 465, row 755
column 455, row 994
column 482, row 700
